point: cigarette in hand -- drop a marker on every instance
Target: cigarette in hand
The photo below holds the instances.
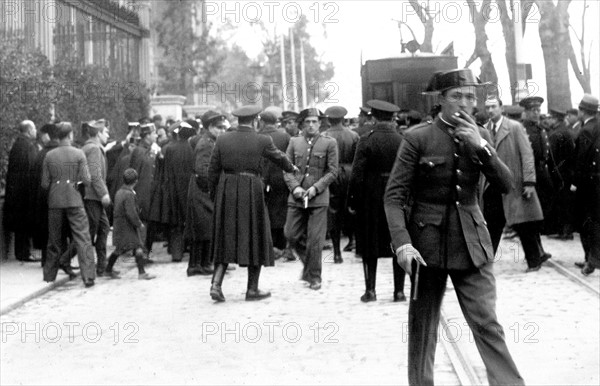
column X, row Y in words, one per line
column 305, row 202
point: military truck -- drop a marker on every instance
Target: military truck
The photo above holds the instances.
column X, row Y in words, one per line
column 401, row 80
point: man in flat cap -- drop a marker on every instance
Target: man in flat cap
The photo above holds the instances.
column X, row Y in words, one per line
column 338, row 216
column 96, row 198
column 538, row 136
column 241, row 222
column 519, row 208
column 373, row 162
column 562, row 157
column 199, row 219
column 315, row 155
column 276, row 190
column 438, row 168
column 586, row 184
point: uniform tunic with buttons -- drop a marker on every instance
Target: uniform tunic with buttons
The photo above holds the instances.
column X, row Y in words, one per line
column 540, row 144
column 440, row 176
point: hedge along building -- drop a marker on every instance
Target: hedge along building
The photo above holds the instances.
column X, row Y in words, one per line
column 111, row 34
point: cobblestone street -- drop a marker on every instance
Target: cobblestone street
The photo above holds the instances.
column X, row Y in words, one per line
column 169, row 331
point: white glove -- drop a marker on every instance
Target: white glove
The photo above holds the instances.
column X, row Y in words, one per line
column 406, row 254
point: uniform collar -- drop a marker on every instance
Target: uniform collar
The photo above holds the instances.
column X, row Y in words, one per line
column 245, row 129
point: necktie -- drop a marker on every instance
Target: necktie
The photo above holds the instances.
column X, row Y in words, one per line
column 492, row 126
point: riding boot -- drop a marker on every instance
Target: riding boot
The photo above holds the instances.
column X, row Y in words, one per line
column 369, row 294
column 335, row 240
column 253, row 292
column 215, row 290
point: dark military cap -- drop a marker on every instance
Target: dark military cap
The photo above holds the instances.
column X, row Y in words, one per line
column 184, row 130
column 531, row 102
column 249, row 111
column 268, row 117
column 445, row 80
column 146, row 129
column 365, row 110
column 336, row 112
column 289, row 116
column 210, row 117
column 310, row 112
column 557, row 113
column 382, row 110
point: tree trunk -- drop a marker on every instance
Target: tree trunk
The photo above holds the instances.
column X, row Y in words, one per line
column 488, row 70
column 554, row 35
column 427, row 20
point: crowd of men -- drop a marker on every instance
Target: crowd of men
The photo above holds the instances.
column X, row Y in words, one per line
column 434, row 194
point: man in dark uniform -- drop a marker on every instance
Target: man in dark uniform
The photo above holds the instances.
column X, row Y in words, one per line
column 365, row 124
column 315, row 154
column 562, row 156
column 338, row 217
column 199, row 222
column 288, row 122
column 444, row 234
column 18, row 193
column 586, row 184
column 178, row 168
column 276, row 190
column 373, row 162
column 241, row 222
column 538, row 136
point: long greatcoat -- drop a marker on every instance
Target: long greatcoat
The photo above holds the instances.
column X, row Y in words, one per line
column 179, row 164
column 540, row 145
column 242, row 231
column 373, row 162
column 126, row 221
column 18, row 185
column 143, row 159
column 514, row 149
column 276, row 191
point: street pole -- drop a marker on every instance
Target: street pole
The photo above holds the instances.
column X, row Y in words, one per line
column 283, row 71
column 294, row 78
column 521, row 91
column 303, row 76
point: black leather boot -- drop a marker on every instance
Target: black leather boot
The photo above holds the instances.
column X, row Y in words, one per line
column 369, row 295
column 253, row 292
column 215, row 290
column 337, row 254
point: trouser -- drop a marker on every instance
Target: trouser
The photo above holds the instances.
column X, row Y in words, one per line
column 22, row 246
column 200, row 254
column 78, row 222
column 99, row 228
column 370, row 272
column 529, row 233
column 493, row 212
column 278, row 237
column 308, row 224
column 476, row 292
column 590, row 241
column 151, row 231
column 176, row 243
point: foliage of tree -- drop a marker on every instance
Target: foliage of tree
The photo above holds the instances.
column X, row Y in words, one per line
column 22, row 74
column 188, row 57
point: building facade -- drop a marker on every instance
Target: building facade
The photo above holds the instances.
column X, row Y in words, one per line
column 107, row 33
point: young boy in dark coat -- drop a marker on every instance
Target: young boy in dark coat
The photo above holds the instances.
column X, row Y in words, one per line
column 126, row 227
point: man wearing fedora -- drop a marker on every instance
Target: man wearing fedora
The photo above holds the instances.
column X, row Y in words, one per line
column 315, row 155
column 241, row 231
column 338, row 217
column 438, row 230
column 586, row 183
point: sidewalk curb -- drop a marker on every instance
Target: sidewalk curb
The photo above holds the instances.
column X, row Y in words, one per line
column 49, row 287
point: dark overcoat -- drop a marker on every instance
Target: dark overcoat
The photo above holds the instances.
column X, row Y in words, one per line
column 242, row 231
column 373, row 162
column 540, row 144
column 179, row 167
column 200, row 209
column 276, row 191
column 441, row 174
column 143, row 160
column 587, row 172
column 18, row 185
column 126, row 220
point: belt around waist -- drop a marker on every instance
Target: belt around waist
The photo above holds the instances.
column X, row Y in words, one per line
column 248, row 174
